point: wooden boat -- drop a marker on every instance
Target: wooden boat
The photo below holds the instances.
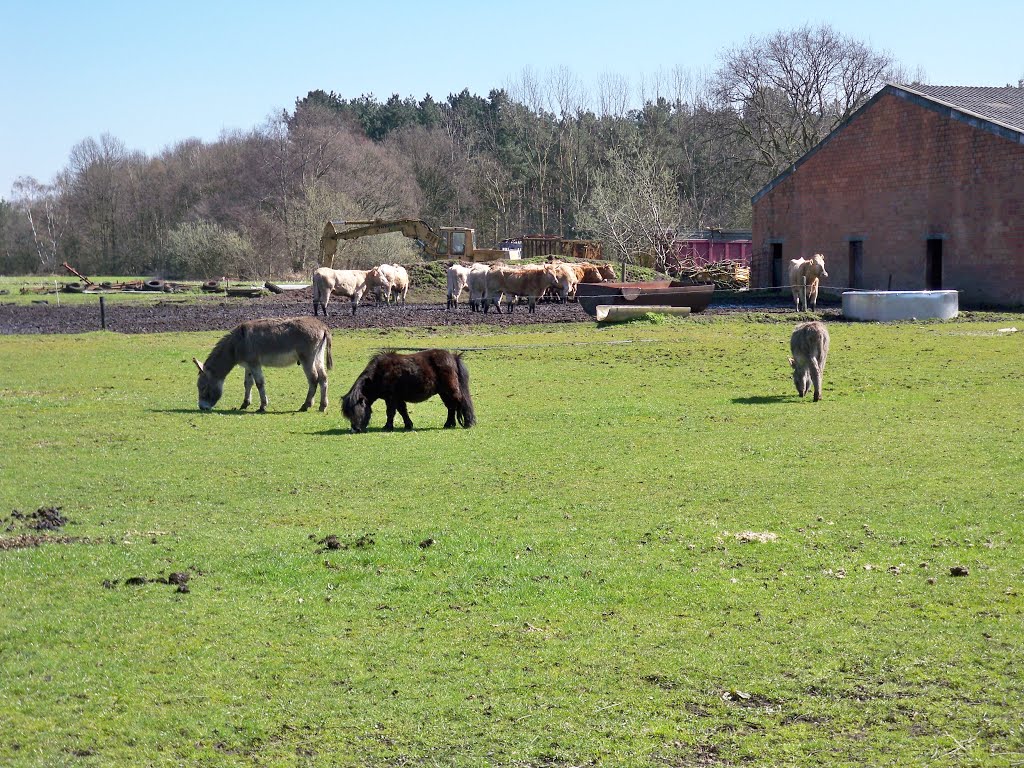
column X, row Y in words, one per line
column 670, row 293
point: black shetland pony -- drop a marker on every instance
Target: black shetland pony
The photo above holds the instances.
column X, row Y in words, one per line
column 399, row 379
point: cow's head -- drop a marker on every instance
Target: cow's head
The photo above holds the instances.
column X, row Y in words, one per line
column 819, row 265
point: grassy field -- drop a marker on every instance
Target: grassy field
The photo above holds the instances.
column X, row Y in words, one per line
column 649, row 552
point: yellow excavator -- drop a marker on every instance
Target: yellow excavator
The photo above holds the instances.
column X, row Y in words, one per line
column 451, row 243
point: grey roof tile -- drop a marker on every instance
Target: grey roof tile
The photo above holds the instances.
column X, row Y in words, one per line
column 1000, row 105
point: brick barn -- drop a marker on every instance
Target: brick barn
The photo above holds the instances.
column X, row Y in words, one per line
column 921, row 189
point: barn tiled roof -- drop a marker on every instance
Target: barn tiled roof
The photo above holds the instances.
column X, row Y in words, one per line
column 1000, row 105
column 996, row 110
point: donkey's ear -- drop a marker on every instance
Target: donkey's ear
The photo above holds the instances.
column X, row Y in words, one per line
column 198, row 365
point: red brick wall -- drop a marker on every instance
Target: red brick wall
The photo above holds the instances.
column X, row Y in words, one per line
column 896, row 175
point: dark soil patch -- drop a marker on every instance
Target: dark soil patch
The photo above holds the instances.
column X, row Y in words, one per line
column 179, row 579
column 332, row 542
column 43, row 519
column 209, row 313
column 26, row 540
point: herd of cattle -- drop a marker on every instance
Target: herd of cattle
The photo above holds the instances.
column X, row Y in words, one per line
column 487, row 284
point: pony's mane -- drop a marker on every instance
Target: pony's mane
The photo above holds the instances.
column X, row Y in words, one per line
column 380, row 354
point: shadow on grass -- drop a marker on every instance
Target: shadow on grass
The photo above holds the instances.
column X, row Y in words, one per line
column 765, row 399
column 379, row 430
column 227, row 412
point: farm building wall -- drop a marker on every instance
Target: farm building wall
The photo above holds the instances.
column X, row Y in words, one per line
column 903, row 184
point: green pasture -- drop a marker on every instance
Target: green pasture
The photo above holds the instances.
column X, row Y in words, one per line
column 649, row 552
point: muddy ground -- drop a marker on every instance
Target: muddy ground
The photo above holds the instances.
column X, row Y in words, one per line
column 211, row 313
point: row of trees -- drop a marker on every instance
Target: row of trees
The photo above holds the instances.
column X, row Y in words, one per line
column 543, row 155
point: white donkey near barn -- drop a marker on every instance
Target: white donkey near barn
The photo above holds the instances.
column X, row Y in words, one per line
column 275, row 342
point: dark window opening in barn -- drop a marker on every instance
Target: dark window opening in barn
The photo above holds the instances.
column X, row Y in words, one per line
column 856, row 263
column 776, row 265
column 933, row 265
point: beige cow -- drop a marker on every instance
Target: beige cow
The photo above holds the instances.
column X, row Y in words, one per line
column 458, row 279
column 344, row 282
column 530, row 281
column 810, row 270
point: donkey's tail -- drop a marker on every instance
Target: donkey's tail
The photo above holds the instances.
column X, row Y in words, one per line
column 327, row 341
column 465, row 413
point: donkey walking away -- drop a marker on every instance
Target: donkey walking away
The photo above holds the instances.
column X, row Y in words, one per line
column 274, row 342
column 809, row 347
column 399, row 379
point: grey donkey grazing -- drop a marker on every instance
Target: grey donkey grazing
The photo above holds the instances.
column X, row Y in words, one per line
column 274, row 342
column 809, row 347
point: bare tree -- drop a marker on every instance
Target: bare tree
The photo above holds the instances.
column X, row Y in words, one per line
column 533, row 126
column 791, row 89
column 47, row 218
column 633, row 206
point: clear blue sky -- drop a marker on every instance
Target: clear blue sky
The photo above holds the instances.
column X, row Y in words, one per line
column 153, row 74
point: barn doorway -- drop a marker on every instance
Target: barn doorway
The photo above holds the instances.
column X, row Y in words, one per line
column 776, row 265
column 856, row 270
column 933, row 265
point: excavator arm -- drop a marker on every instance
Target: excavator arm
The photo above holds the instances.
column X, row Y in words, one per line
column 433, row 245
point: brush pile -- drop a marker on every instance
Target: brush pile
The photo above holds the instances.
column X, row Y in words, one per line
column 733, row 275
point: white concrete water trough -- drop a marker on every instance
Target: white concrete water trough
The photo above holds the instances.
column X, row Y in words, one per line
column 888, row 306
column 620, row 313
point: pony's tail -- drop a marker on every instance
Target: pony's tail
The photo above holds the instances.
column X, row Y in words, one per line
column 465, row 413
column 330, row 359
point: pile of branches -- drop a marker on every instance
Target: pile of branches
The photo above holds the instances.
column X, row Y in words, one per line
column 726, row 274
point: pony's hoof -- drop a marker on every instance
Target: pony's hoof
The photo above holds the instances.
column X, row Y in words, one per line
column 388, row 428
column 305, row 407
column 261, row 410
column 323, row 408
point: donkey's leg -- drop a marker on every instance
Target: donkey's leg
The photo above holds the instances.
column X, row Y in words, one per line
column 248, row 390
column 312, row 369
column 322, row 378
column 816, row 378
column 257, row 375
column 404, row 411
